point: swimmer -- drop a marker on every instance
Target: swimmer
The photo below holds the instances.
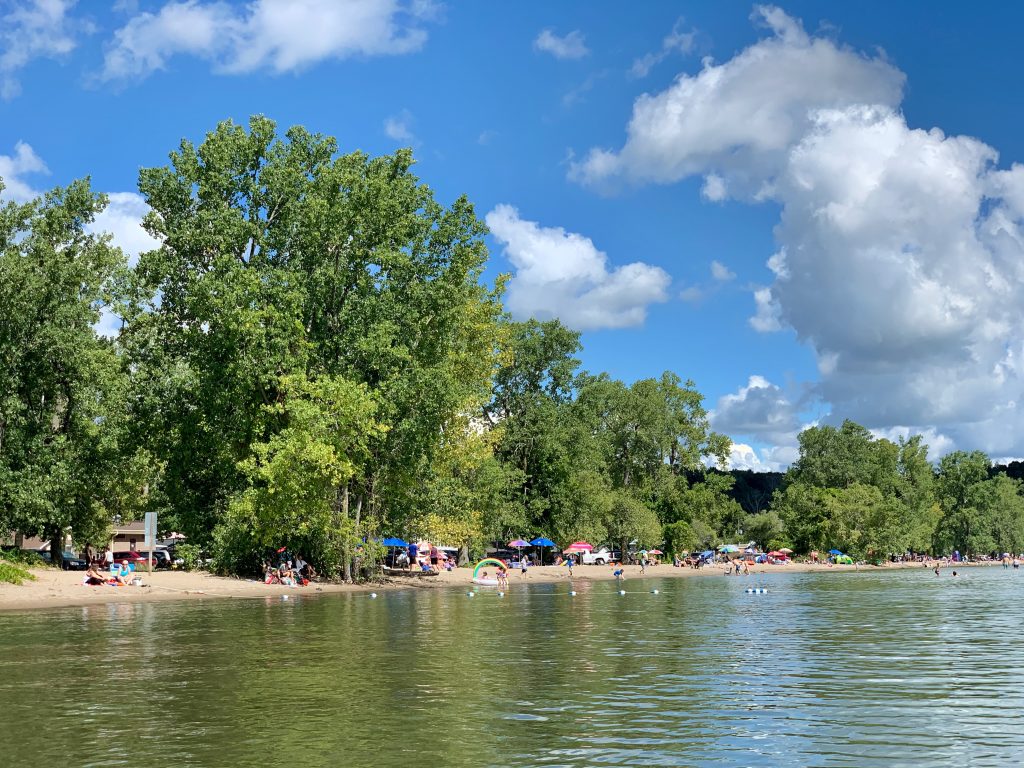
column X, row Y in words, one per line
column 936, row 570
column 954, row 573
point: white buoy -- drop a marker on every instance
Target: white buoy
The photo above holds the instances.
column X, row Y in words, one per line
column 572, row 594
column 654, row 591
column 470, row 594
column 284, row 597
column 622, row 591
column 373, row 595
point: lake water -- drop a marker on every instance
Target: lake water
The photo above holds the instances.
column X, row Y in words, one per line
column 866, row 669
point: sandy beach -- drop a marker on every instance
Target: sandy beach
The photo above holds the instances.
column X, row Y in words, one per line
column 54, row 589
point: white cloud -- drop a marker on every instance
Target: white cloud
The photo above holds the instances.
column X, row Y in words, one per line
column 938, row 444
column 740, row 118
column 764, row 414
column 901, row 250
column 563, row 274
column 770, row 459
column 677, row 40
column 23, row 162
column 760, row 409
column 122, row 218
column 31, row 30
column 399, row 127
column 721, row 272
column 276, row 35
column 571, row 46
column 714, row 188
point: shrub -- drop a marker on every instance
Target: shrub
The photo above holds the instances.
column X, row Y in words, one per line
column 190, row 555
column 25, row 557
column 14, row 574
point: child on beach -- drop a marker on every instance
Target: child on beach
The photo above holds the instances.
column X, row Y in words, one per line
column 502, row 579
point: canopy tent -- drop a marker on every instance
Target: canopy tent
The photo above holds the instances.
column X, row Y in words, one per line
column 728, row 548
column 834, row 552
column 391, row 541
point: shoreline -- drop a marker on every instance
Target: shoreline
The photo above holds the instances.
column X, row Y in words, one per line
column 64, row 589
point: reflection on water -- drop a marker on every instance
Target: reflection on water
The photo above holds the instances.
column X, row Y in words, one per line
column 895, row 668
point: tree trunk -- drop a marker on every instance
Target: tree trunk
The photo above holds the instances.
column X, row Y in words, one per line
column 57, row 548
column 346, row 554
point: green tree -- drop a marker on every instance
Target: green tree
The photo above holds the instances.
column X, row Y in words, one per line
column 281, row 258
column 61, row 394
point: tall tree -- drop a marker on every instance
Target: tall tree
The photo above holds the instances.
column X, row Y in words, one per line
column 60, row 382
column 281, row 258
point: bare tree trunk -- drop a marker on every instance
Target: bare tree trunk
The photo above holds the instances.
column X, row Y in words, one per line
column 346, row 555
column 57, row 548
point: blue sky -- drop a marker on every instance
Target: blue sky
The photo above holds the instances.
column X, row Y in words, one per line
column 868, row 147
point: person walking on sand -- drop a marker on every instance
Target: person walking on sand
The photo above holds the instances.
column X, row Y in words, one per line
column 413, row 552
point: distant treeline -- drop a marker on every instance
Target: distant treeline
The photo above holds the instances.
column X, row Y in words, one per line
column 311, row 359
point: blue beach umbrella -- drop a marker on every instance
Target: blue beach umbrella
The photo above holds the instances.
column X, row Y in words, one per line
column 391, row 541
column 540, row 541
column 834, row 552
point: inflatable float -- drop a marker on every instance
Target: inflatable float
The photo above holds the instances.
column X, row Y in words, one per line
column 483, row 564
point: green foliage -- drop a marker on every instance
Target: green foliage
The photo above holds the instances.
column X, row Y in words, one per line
column 767, row 530
column 14, row 574
column 679, row 537
column 190, row 555
column 25, row 557
column 62, row 386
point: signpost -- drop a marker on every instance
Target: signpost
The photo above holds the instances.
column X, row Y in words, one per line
column 150, row 537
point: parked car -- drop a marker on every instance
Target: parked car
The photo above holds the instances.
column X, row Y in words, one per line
column 69, row 562
column 132, row 556
column 601, row 556
column 161, row 557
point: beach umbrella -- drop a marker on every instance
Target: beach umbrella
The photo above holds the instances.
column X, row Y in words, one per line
column 834, row 552
column 786, row 551
column 518, row 543
column 540, row 541
column 391, row 541
column 655, row 552
column 578, row 546
column 729, row 548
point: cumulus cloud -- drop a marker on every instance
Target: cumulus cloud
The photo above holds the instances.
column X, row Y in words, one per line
column 740, row 118
column 677, row 41
column 32, row 30
column 399, row 127
column 761, row 410
column 770, row 459
column 563, row 274
column 23, row 162
column 571, row 46
column 721, row 272
column 122, row 219
column 275, row 35
column 901, row 249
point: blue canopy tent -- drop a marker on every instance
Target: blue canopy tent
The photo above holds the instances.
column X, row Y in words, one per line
column 541, row 542
column 391, row 541
column 834, row 552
